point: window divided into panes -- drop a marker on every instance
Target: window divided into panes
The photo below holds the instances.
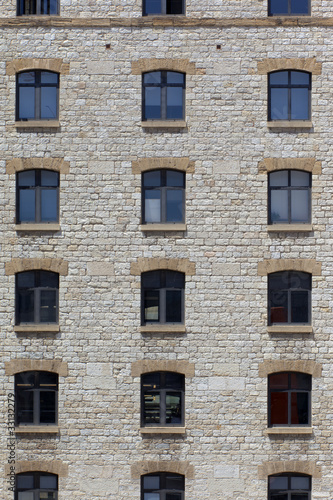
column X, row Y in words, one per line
column 289, row 298
column 289, row 95
column 37, row 196
column 289, row 7
column 289, row 399
column 163, row 197
column 37, row 7
column 36, row 486
column 289, row 197
column 36, row 397
column 289, row 487
column 37, row 297
column 163, row 95
column 162, row 399
column 162, row 486
column 37, row 95
column 163, row 7
column 162, row 297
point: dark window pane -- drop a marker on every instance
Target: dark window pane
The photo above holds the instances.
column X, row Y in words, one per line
column 154, row 77
column 26, row 306
column 151, row 279
column 24, row 401
column 152, row 103
column 279, row 206
column 27, row 179
column 152, row 7
column 279, row 104
column 299, row 104
column 174, row 201
column 278, row 281
column 49, row 178
column 48, row 103
column 174, row 380
column 25, row 481
column 278, row 307
column 151, row 305
column 49, row 77
column 174, row 102
column 49, row 205
column 174, row 6
column 152, row 179
column 26, row 103
column 153, row 205
column 299, row 496
column 278, row 483
column 280, row 496
column 173, row 306
column 48, row 279
column 152, row 408
column 27, row 202
column 48, row 306
column 152, row 496
column 299, row 178
column 300, row 381
column 299, row 7
column 299, row 206
column 173, row 408
column 278, row 7
column 174, row 178
column 47, row 407
column 299, row 408
column 25, row 378
column 48, row 482
column 279, row 408
column 280, row 77
column 27, row 77
column 173, row 482
column 174, row 279
column 173, row 496
column 278, row 381
column 299, row 307
column 299, row 78
column 151, row 482
column 300, row 483
column 151, row 381
column 174, row 77
column 279, row 178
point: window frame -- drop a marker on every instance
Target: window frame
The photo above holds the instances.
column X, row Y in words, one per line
column 289, row 86
column 163, row 86
column 162, row 391
column 164, row 8
column 37, row 298
column 36, row 402
column 289, row 188
column 163, row 188
column 289, row 13
column 37, row 86
column 289, row 491
column 289, row 291
column 36, row 478
column 38, row 189
column 37, row 7
column 162, row 491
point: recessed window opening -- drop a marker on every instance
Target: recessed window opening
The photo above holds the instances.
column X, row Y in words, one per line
column 289, row 95
column 37, row 95
column 163, row 95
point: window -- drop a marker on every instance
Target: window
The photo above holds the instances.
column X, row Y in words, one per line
column 289, row 487
column 37, row 95
column 289, row 399
column 162, row 7
column 39, row 7
column 289, row 95
column 162, row 399
column 162, row 297
column 37, row 196
column 289, row 197
column 36, row 486
column 162, row 486
column 163, row 196
column 289, row 7
column 163, row 95
column 37, row 297
column 36, row 395
column 289, row 297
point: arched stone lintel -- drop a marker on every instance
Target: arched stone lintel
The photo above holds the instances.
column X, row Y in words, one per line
column 143, row 265
column 290, row 365
column 163, row 365
column 57, row 65
column 153, row 64
column 146, row 164
column 53, row 467
column 20, row 164
column 19, row 265
column 302, row 64
column 275, row 265
column 278, row 467
column 46, row 365
column 306, row 164
column 143, row 467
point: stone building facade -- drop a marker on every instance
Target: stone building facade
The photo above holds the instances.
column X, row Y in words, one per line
column 100, row 248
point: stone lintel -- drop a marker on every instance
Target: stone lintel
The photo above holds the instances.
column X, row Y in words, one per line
column 19, row 164
column 26, row 365
column 275, row 265
column 279, row 467
column 55, row 64
column 302, row 64
column 143, row 467
column 154, row 64
column 57, row 467
column 305, row 164
column 144, row 164
column 19, row 265
column 290, row 365
column 143, row 265
column 162, row 365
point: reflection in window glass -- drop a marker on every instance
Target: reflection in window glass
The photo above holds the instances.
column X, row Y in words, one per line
column 289, row 95
column 37, row 95
column 163, row 95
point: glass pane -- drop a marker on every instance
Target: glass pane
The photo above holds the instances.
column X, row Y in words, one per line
column 48, row 482
column 26, row 495
column 47, row 407
column 299, row 78
column 278, row 7
column 24, row 481
column 174, row 279
column 279, row 104
column 49, row 205
column 300, row 483
column 153, row 205
column 151, row 305
column 27, row 178
column 25, row 414
column 152, row 179
column 48, row 378
column 27, row 208
column 152, row 7
column 151, row 496
column 174, row 7
column 174, row 102
column 299, row 7
column 280, row 77
column 26, row 103
column 299, row 104
column 174, row 209
column 279, row 281
column 48, row 77
column 174, row 178
column 49, row 178
column 174, row 482
column 48, row 279
column 151, row 380
column 282, row 496
column 174, row 77
column 28, row 77
column 279, row 178
column 300, row 381
column 278, row 307
column 174, row 380
column 152, row 408
column 173, row 313
column 278, row 381
column 47, row 495
column 300, row 280
column 48, row 103
column 279, row 205
column 151, row 279
column 151, row 482
column 152, row 77
column 26, row 302
column 53, row 7
column 173, row 408
column 152, row 102
column 299, row 178
column 299, row 408
column 25, row 378
column 48, row 306
column 173, row 496
column 300, row 206
column 278, row 483
column 299, row 496
column 279, row 408
column 299, row 307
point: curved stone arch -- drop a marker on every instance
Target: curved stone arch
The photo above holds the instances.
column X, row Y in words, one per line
column 53, row 467
column 146, row 164
column 154, row 64
column 184, row 468
column 46, row 365
column 290, row 365
column 19, row 164
column 56, row 65
column 275, row 265
column 297, row 466
column 298, row 64
column 310, row 165
column 143, row 265
column 151, row 365
column 19, row 265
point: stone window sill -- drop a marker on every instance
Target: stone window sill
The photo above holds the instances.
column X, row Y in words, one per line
column 290, row 329
column 289, row 228
column 162, row 430
column 163, row 227
column 164, row 124
column 163, row 329
column 37, row 429
column 36, row 328
column 288, row 430
column 290, row 124
column 38, row 124
column 37, row 227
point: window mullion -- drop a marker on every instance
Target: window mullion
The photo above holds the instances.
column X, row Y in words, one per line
column 163, row 97
column 36, row 408
column 163, row 407
column 162, row 318
column 37, row 305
